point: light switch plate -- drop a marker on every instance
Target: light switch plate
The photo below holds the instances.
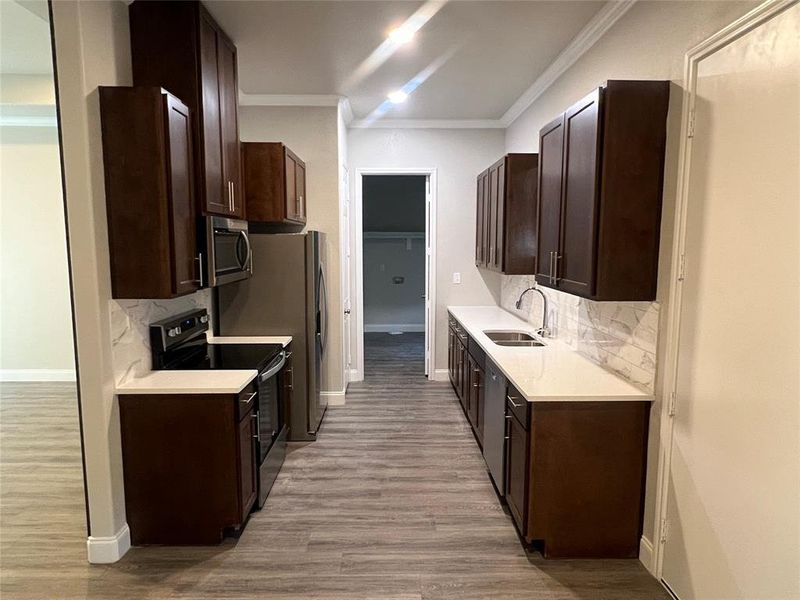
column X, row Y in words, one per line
column 456, row 277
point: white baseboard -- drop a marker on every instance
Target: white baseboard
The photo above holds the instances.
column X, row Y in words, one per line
column 386, row 328
column 646, row 554
column 104, row 550
column 441, row 375
column 334, row 398
column 355, row 376
column 37, row 374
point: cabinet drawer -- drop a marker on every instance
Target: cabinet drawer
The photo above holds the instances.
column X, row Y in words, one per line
column 518, row 406
column 246, row 400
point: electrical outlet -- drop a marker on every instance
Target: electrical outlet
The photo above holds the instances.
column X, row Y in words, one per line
column 456, row 277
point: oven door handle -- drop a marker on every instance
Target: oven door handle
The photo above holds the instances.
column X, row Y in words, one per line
column 248, row 261
column 273, row 370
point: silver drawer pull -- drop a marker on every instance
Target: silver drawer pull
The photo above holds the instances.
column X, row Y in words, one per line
column 514, row 404
column 509, row 417
column 253, row 395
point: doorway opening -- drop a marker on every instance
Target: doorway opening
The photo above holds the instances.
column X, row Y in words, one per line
column 41, row 467
column 394, row 273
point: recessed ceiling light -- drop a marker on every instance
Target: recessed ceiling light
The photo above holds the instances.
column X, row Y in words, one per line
column 397, row 97
column 402, row 35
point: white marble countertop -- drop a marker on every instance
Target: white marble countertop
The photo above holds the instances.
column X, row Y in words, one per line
column 554, row 372
column 283, row 340
column 189, row 382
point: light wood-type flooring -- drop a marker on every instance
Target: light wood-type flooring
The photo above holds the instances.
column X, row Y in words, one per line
column 391, row 502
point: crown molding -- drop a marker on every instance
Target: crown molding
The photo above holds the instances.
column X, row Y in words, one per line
column 346, row 110
column 586, row 38
column 428, row 124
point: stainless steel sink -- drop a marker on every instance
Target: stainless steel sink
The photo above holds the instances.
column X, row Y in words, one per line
column 513, row 338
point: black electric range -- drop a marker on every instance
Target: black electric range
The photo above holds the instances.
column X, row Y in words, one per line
column 179, row 343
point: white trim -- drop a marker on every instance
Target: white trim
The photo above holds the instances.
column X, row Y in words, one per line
column 358, row 281
column 719, row 40
column 335, row 398
column 290, row 99
column 428, row 124
column 646, row 554
column 37, row 375
column 104, row 550
column 441, row 375
column 586, row 38
column 393, row 235
column 388, row 327
column 346, row 110
column 354, row 375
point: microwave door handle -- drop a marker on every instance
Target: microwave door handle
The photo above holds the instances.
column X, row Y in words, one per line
column 248, row 261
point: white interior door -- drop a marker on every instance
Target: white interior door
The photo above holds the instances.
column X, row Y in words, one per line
column 733, row 497
column 346, row 284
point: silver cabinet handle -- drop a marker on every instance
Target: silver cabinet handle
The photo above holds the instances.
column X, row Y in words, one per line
column 199, row 280
column 551, row 268
column 556, row 258
column 509, row 417
column 514, row 404
column 257, row 436
column 250, row 397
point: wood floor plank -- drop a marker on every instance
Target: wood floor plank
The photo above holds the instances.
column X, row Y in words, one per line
column 392, row 502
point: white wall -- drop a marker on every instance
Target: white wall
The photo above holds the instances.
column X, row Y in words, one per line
column 649, row 42
column 313, row 134
column 458, row 155
column 35, row 307
column 389, row 306
column 92, row 48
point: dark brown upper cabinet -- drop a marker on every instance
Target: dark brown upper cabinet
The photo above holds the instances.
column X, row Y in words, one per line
column 505, row 232
column 150, row 202
column 601, row 171
column 274, row 184
column 179, row 46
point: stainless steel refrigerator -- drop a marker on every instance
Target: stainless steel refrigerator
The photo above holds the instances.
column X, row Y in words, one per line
column 285, row 296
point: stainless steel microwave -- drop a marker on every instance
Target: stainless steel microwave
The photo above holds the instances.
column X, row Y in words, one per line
column 230, row 257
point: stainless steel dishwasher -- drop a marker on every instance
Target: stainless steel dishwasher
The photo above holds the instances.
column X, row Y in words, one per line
column 494, row 423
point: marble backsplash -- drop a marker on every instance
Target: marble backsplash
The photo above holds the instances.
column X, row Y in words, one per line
column 130, row 336
column 619, row 336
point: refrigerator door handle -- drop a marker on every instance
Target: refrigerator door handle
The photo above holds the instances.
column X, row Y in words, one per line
column 323, row 310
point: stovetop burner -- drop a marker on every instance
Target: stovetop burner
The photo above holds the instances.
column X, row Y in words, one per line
column 180, row 343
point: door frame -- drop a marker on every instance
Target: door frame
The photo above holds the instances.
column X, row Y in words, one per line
column 742, row 26
column 357, row 290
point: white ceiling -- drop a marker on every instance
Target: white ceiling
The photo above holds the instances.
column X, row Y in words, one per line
column 490, row 51
column 25, row 38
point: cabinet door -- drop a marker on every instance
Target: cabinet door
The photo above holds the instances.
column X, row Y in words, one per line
column 290, row 175
column 551, row 154
column 464, row 375
column 492, row 220
column 229, row 126
column 185, row 266
column 575, row 265
column 451, row 355
column 475, row 393
column 500, row 200
column 516, row 470
column 286, row 383
column 247, row 464
column 300, row 190
column 214, row 189
column 479, row 247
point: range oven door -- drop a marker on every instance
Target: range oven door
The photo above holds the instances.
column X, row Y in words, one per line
column 271, row 439
column 230, row 257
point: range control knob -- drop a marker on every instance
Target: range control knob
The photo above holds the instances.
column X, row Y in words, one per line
column 204, row 319
column 172, row 332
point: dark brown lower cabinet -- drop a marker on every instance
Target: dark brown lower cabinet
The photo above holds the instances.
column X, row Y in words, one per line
column 189, row 465
column 575, row 475
column 476, row 386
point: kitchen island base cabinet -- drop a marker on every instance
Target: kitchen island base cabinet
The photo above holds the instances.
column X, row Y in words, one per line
column 189, row 466
column 583, row 489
